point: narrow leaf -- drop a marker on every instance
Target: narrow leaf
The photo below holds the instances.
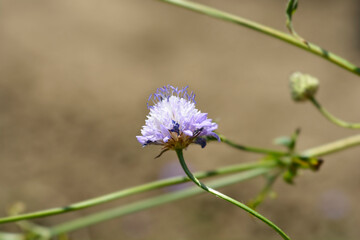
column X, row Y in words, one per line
column 290, row 10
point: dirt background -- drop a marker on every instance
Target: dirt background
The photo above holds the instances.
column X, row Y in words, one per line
column 74, row 80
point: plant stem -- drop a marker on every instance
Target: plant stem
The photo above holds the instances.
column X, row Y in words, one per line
column 135, row 190
column 326, row 149
column 252, row 149
column 310, row 47
column 332, row 118
column 152, row 202
column 179, row 153
column 270, row 180
column 332, row 147
column 322, row 150
column 127, row 209
column 11, row 236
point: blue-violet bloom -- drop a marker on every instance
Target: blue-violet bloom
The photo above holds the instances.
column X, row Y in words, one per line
column 174, row 122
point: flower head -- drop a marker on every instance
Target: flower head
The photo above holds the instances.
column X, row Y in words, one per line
column 174, row 122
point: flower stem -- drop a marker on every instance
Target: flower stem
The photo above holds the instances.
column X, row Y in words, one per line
column 179, row 153
column 151, row 202
column 310, row 47
column 322, row 150
column 251, row 149
column 135, row 190
column 332, row 118
column 262, row 168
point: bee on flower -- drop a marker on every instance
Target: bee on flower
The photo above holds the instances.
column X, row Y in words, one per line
column 174, row 122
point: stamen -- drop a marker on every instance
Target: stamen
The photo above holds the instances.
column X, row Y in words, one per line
column 166, row 92
column 175, row 127
column 197, row 132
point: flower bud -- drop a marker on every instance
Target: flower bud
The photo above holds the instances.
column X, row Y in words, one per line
column 303, row 86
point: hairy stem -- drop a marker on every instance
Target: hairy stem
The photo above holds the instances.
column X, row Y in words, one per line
column 310, row 47
column 227, row 198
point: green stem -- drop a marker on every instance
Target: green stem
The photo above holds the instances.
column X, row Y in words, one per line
column 332, row 147
column 322, row 150
column 152, row 202
column 270, row 180
column 96, row 218
column 332, row 118
column 326, row 149
column 135, row 190
column 310, row 47
column 11, row 236
column 314, row 152
column 252, row 149
column 179, row 153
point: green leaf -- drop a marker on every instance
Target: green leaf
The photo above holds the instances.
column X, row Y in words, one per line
column 288, row 142
column 290, row 174
column 294, row 139
column 290, row 10
column 283, row 141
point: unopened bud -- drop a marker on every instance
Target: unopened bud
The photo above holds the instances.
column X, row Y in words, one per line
column 303, row 86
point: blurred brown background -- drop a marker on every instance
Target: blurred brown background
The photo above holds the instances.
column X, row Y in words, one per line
column 74, row 80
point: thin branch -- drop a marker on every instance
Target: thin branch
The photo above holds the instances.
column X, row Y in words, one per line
column 332, row 118
column 310, row 47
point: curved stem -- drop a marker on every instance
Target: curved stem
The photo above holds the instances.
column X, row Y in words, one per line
column 135, row 190
column 151, row 202
column 310, row 47
column 227, row 198
column 332, row 118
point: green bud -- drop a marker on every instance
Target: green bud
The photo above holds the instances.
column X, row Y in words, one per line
column 303, row 86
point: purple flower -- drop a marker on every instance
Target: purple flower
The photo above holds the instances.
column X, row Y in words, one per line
column 174, row 122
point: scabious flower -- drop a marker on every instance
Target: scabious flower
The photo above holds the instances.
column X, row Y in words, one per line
column 174, row 122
